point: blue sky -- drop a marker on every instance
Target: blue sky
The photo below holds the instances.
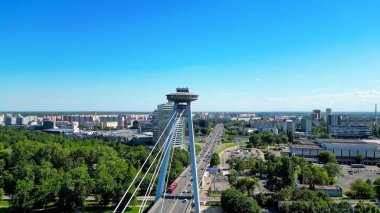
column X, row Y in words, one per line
column 237, row 55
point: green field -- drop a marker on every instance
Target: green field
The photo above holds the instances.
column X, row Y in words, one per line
column 198, row 149
column 4, row 203
column 225, row 146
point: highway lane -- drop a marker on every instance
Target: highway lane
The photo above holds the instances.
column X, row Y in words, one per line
column 181, row 199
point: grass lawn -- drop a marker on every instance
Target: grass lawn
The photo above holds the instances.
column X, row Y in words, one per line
column 198, row 149
column 212, row 203
column 225, row 146
column 4, row 203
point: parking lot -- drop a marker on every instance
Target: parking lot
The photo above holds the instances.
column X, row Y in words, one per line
column 370, row 172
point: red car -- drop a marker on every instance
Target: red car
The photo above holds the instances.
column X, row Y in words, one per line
column 172, row 187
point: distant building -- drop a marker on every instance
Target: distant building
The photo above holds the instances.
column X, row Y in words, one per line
column 328, row 114
column 328, row 111
column 306, row 125
column 316, row 115
column 350, row 131
column 201, row 123
column 161, row 117
column 21, row 121
column 120, row 122
column 273, row 130
column 10, row 120
column 349, row 128
column 289, row 126
column 335, row 120
column 46, row 124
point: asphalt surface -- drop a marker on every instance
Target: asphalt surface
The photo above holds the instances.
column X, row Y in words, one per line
column 180, row 200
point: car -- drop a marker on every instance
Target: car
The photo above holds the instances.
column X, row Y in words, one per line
column 184, row 191
column 184, row 200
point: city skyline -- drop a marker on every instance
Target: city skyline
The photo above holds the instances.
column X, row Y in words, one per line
column 246, row 56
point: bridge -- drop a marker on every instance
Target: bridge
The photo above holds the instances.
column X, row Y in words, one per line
column 185, row 196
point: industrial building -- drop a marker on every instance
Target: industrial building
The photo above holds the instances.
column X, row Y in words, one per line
column 344, row 150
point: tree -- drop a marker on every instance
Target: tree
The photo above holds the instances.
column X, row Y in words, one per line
column 236, row 163
column 290, row 137
column 49, row 184
column 315, row 175
column 250, row 163
column 23, row 198
column 287, row 171
column 215, row 160
column 255, row 140
column 246, row 184
column 235, row 202
column 261, row 167
column 362, row 190
column 359, row 159
column 333, row 169
column 76, row 185
column 376, row 184
column 233, row 178
column 268, row 137
column 363, row 207
column 326, row 157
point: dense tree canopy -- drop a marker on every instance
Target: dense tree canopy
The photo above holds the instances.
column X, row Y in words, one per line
column 215, row 160
column 39, row 168
column 235, row 202
column 326, row 157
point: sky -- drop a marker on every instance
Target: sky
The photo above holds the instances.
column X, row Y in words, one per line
column 237, row 55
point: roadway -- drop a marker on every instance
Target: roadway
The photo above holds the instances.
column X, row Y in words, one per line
column 180, row 200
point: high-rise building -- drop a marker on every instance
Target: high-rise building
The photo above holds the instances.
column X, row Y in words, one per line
column 21, row 121
column 316, row 115
column 289, row 126
column 161, row 117
column 9, row 120
column 306, row 125
column 328, row 112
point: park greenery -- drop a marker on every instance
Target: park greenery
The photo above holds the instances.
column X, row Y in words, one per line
column 234, row 201
column 361, row 189
column 281, row 174
column 284, row 171
column 42, row 170
column 268, row 138
column 215, row 160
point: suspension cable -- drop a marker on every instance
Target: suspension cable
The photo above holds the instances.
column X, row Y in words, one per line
column 152, row 181
column 170, row 165
column 138, row 186
column 134, row 179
